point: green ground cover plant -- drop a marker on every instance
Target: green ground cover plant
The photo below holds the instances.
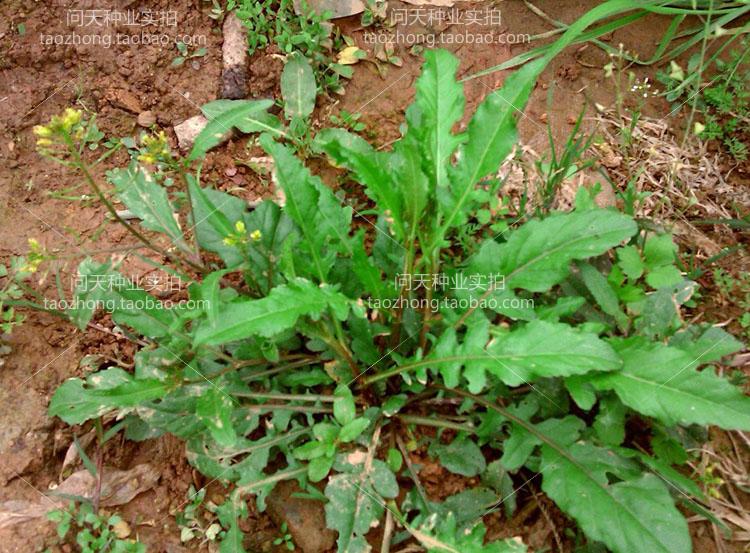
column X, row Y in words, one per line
column 93, row 533
column 318, row 338
column 308, row 32
column 722, row 103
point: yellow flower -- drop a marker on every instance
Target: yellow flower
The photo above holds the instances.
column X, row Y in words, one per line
column 239, row 226
column 42, row 131
column 71, row 117
column 147, row 158
column 256, row 235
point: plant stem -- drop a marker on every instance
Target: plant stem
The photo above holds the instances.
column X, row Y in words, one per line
column 437, row 423
column 287, row 397
column 413, row 472
column 81, row 165
column 281, row 407
column 279, row 476
column 183, row 176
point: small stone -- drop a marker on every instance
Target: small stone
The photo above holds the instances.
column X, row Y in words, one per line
column 146, row 119
column 188, row 131
column 124, row 99
column 230, row 171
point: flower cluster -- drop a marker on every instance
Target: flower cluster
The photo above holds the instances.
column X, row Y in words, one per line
column 34, row 258
column 60, row 129
column 155, row 149
column 240, row 235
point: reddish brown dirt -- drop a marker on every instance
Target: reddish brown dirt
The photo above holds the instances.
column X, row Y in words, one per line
column 117, row 82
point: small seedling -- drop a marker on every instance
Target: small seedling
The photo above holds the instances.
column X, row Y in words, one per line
column 94, row 532
column 285, row 538
column 186, row 54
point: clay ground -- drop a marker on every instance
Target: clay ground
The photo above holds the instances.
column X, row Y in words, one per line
column 39, row 200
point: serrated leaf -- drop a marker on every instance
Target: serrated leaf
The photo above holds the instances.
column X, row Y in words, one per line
column 706, row 344
column 659, row 250
column 224, row 115
column 629, row 260
column 372, row 168
column 76, row 401
column 663, row 382
column 298, row 87
column 323, row 222
column 602, row 292
column 275, row 313
column 633, row 513
column 147, row 200
column 538, row 254
column 539, row 349
column 491, row 135
column 438, row 105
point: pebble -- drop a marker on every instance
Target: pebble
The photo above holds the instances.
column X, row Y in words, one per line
column 146, row 119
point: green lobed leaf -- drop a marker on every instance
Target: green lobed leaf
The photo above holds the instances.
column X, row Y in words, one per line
column 538, row 254
column 76, row 401
column 633, row 512
column 438, row 105
column 491, row 136
column 323, row 222
column 663, row 382
column 372, row 168
column 541, row 349
column 272, row 314
column 146, row 199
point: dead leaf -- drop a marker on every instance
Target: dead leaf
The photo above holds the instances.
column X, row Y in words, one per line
column 350, row 55
column 121, row 529
column 118, row 488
